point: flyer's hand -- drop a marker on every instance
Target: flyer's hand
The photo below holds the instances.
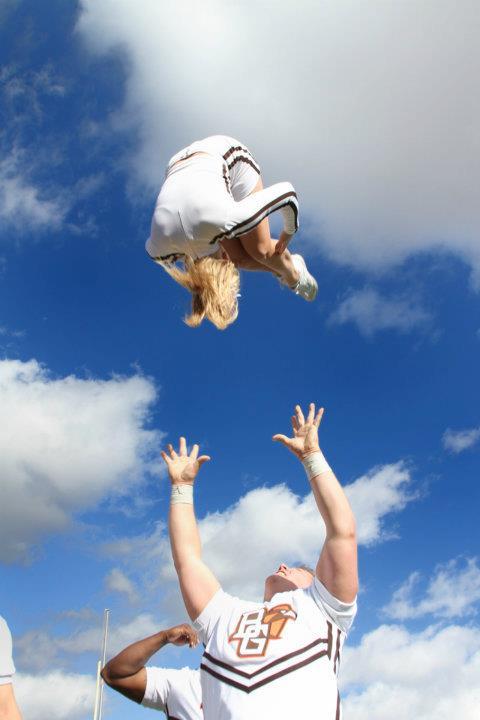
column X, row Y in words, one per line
column 182, row 467
column 282, row 243
column 182, row 635
column 305, row 432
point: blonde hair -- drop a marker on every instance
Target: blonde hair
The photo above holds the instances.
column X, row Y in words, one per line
column 214, row 285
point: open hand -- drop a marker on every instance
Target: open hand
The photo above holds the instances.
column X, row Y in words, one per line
column 182, row 635
column 182, row 467
column 305, row 432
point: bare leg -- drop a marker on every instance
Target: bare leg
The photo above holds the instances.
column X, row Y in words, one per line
column 260, row 246
column 235, row 251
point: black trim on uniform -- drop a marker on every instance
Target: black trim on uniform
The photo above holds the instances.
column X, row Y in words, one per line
column 272, row 206
column 167, row 259
column 243, row 149
column 233, row 149
column 245, row 159
column 227, row 179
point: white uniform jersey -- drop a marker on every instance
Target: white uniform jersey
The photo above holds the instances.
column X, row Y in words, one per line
column 277, row 659
column 7, row 668
column 208, row 198
column 177, row 692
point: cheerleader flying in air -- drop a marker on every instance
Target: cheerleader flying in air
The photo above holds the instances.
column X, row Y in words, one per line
column 212, row 215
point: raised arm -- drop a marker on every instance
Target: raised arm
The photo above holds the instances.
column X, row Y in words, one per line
column 197, row 582
column 126, row 672
column 337, row 564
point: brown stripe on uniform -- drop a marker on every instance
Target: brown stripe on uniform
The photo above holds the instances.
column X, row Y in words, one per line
column 227, row 181
column 265, row 681
column 337, row 714
column 259, row 213
column 330, row 639
column 234, row 149
column 337, row 652
column 244, row 674
column 245, row 159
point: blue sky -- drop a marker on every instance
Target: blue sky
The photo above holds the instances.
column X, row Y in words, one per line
column 97, row 369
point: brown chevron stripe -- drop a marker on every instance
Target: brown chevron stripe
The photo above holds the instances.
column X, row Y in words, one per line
column 265, row 681
column 244, row 674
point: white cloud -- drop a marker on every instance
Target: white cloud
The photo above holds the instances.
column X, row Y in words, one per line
column 50, row 649
column 372, row 312
column 271, row 537
column 459, row 440
column 117, row 581
column 90, row 640
column 66, row 444
column 383, row 490
column 55, row 695
column 453, row 591
column 367, row 107
column 396, row 675
column 23, row 205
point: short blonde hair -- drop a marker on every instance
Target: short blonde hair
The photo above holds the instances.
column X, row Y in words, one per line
column 214, row 285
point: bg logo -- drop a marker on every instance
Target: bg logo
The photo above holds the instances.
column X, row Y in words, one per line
column 256, row 628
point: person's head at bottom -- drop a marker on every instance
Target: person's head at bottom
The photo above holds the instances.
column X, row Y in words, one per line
column 287, row 578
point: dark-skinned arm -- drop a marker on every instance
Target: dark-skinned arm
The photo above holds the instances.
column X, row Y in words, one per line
column 126, row 672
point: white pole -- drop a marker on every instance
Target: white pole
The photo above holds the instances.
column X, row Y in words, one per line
column 97, row 711
column 97, row 692
column 106, row 616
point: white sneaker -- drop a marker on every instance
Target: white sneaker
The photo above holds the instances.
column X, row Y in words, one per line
column 307, row 285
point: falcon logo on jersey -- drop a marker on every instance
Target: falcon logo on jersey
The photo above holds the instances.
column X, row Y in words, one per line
column 256, row 628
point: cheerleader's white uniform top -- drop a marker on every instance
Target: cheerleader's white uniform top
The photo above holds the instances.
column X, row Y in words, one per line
column 207, row 198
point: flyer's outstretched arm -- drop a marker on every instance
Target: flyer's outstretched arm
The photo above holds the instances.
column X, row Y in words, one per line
column 337, row 564
column 197, row 582
column 126, row 672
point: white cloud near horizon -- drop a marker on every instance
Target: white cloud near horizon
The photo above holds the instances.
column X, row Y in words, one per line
column 394, row 674
column 366, row 107
column 55, row 695
column 452, row 592
column 459, row 440
column 66, row 444
column 371, row 313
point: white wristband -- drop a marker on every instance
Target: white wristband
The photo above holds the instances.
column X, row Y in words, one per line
column 315, row 464
column 182, row 494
